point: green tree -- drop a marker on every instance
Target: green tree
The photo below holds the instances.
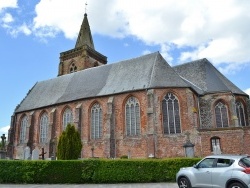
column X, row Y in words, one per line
column 69, row 146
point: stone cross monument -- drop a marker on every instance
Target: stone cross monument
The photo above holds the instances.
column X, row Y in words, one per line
column 3, row 141
column 2, row 149
column 42, row 154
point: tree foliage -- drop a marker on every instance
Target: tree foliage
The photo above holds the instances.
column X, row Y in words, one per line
column 69, row 146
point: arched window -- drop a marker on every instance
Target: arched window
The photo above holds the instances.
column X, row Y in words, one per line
column 24, row 125
column 132, row 110
column 171, row 114
column 96, row 64
column 215, row 145
column 67, row 118
column 73, row 68
column 240, row 114
column 96, row 121
column 44, row 124
column 221, row 115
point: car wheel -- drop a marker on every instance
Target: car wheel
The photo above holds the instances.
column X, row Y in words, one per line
column 236, row 185
column 184, row 183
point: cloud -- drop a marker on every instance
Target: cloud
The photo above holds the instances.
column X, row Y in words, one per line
column 217, row 30
column 7, row 18
column 247, row 91
column 165, row 51
column 58, row 15
column 145, row 52
column 8, row 4
column 20, row 29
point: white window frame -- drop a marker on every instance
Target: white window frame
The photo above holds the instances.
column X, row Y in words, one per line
column 241, row 120
column 220, row 105
column 67, row 118
column 23, row 130
column 44, row 124
column 96, row 121
column 171, row 114
column 133, row 117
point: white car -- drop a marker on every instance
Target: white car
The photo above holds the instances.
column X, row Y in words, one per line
column 217, row 171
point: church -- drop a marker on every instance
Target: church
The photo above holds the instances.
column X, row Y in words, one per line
column 139, row 108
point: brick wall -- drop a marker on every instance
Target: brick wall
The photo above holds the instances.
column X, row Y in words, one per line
column 151, row 140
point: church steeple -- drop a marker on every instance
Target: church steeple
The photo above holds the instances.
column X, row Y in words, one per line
column 84, row 55
column 84, row 36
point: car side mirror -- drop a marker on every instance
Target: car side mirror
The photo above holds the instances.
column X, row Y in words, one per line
column 195, row 166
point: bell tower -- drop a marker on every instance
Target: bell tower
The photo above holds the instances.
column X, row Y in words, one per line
column 84, row 55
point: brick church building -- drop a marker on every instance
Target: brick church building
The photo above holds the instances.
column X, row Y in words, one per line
column 140, row 108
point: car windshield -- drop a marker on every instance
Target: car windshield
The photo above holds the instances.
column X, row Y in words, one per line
column 245, row 162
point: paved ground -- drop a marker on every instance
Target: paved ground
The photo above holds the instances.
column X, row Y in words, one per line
column 135, row 185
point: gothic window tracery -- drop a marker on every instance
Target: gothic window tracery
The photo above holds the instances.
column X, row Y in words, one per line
column 240, row 114
column 221, row 115
column 171, row 114
column 96, row 64
column 132, row 113
column 24, row 125
column 96, row 121
column 67, row 118
column 73, row 68
column 44, row 124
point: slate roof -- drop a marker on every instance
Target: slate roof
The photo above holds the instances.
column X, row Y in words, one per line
column 205, row 78
column 145, row 72
column 84, row 36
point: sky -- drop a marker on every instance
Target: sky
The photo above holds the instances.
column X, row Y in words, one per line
column 33, row 33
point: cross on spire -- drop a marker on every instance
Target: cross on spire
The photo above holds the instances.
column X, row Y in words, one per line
column 86, row 7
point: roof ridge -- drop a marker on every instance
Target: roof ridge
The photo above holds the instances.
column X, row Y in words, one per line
column 153, row 69
column 138, row 57
column 190, row 62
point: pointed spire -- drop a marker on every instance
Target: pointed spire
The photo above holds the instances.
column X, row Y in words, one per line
column 84, row 36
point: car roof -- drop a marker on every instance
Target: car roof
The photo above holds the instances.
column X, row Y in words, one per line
column 227, row 156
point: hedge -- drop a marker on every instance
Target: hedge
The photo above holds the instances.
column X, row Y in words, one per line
column 92, row 170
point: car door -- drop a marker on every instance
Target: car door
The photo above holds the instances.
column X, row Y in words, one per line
column 221, row 172
column 203, row 173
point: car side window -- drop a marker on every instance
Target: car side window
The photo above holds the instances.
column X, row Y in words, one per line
column 223, row 162
column 206, row 163
column 245, row 162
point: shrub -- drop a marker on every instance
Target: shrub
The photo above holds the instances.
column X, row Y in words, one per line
column 69, row 145
column 92, row 170
column 124, row 157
